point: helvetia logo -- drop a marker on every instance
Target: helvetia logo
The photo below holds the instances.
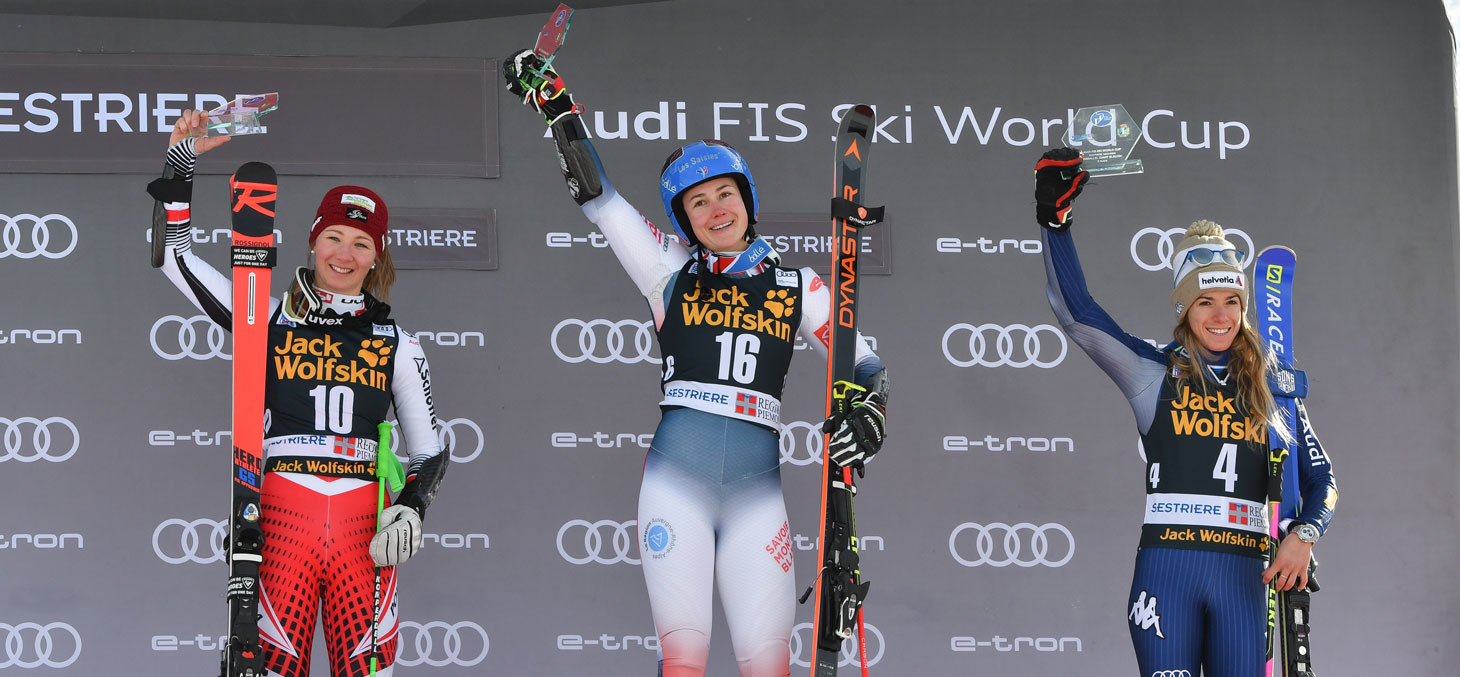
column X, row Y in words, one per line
column 1220, row 280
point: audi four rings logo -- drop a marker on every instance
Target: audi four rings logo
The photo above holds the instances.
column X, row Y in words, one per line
column 46, row 440
column 999, row 545
column 439, row 644
column 450, row 435
column 1171, row 673
column 604, row 542
column 32, row 645
column 801, row 637
column 196, row 337
column 26, row 236
column 199, row 541
column 616, row 344
column 1017, row 345
column 802, row 443
column 1165, row 241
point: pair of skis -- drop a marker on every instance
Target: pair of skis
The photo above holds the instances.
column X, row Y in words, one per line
column 1287, row 612
column 839, row 588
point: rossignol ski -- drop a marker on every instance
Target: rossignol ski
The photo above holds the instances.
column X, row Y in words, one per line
column 253, row 189
column 839, row 588
column 1287, row 649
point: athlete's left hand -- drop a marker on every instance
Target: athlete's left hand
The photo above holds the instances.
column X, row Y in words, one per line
column 399, row 537
column 1290, row 566
column 857, row 434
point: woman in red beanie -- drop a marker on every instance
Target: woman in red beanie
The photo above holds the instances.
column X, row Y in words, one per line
column 321, row 545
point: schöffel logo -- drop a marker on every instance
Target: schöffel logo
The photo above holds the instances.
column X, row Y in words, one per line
column 26, row 236
column 28, row 439
column 439, row 644
column 33, row 645
column 626, row 341
column 175, row 337
column 1219, row 279
column 200, row 541
column 602, row 542
column 992, row 345
column 1152, row 248
column 1025, row 544
column 803, row 647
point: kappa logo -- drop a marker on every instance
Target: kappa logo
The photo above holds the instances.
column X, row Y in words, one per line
column 1143, row 614
column 780, row 303
column 373, row 353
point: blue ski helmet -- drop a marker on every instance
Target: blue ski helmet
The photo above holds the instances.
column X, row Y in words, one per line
column 694, row 164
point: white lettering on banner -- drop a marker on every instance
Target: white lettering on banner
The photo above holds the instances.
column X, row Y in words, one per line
column 202, row 438
column 953, row 245
column 452, row 338
column 432, row 237
column 72, row 111
column 801, row 344
column 39, row 336
column 456, row 541
column 216, row 235
column 594, row 239
column 864, row 543
column 201, row 642
column 809, row 244
column 602, row 440
column 760, row 121
column 1013, row 443
column 608, row 642
column 40, row 541
column 1007, row 644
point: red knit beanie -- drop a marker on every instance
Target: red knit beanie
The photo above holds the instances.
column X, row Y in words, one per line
column 352, row 206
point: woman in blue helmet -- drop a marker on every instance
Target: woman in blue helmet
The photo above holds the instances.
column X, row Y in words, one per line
column 727, row 316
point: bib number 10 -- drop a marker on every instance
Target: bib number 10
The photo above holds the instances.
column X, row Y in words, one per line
column 737, row 356
column 334, row 408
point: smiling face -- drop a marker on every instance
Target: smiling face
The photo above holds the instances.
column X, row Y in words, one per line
column 716, row 213
column 342, row 257
column 1214, row 318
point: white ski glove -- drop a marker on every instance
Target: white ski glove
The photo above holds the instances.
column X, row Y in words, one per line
column 399, row 538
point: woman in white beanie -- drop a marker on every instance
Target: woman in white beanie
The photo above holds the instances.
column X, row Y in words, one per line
column 1207, row 420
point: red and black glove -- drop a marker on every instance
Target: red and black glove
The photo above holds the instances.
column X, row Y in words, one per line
column 1058, row 180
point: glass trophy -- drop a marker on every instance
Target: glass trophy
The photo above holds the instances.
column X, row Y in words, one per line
column 1106, row 135
column 242, row 115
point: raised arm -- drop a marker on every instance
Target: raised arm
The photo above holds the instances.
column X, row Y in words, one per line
column 1136, row 366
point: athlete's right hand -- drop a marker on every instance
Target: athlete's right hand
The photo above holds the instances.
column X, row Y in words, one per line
column 1058, row 180
column 194, row 123
column 399, row 537
column 546, row 92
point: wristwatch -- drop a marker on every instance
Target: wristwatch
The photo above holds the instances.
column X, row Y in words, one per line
column 1306, row 532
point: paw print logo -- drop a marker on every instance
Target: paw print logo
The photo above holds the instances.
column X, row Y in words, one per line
column 374, row 352
column 780, row 303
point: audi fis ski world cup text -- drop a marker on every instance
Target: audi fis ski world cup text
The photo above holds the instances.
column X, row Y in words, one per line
column 737, row 122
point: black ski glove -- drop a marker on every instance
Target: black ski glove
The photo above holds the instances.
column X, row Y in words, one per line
column 1058, row 180
column 857, row 433
column 543, row 89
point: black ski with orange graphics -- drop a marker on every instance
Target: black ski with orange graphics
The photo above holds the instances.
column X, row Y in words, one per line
column 253, row 190
column 839, row 588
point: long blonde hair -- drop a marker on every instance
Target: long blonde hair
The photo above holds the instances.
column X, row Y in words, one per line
column 1246, row 359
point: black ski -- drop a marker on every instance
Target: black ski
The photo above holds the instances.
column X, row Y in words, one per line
column 253, row 189
column 839, row 588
